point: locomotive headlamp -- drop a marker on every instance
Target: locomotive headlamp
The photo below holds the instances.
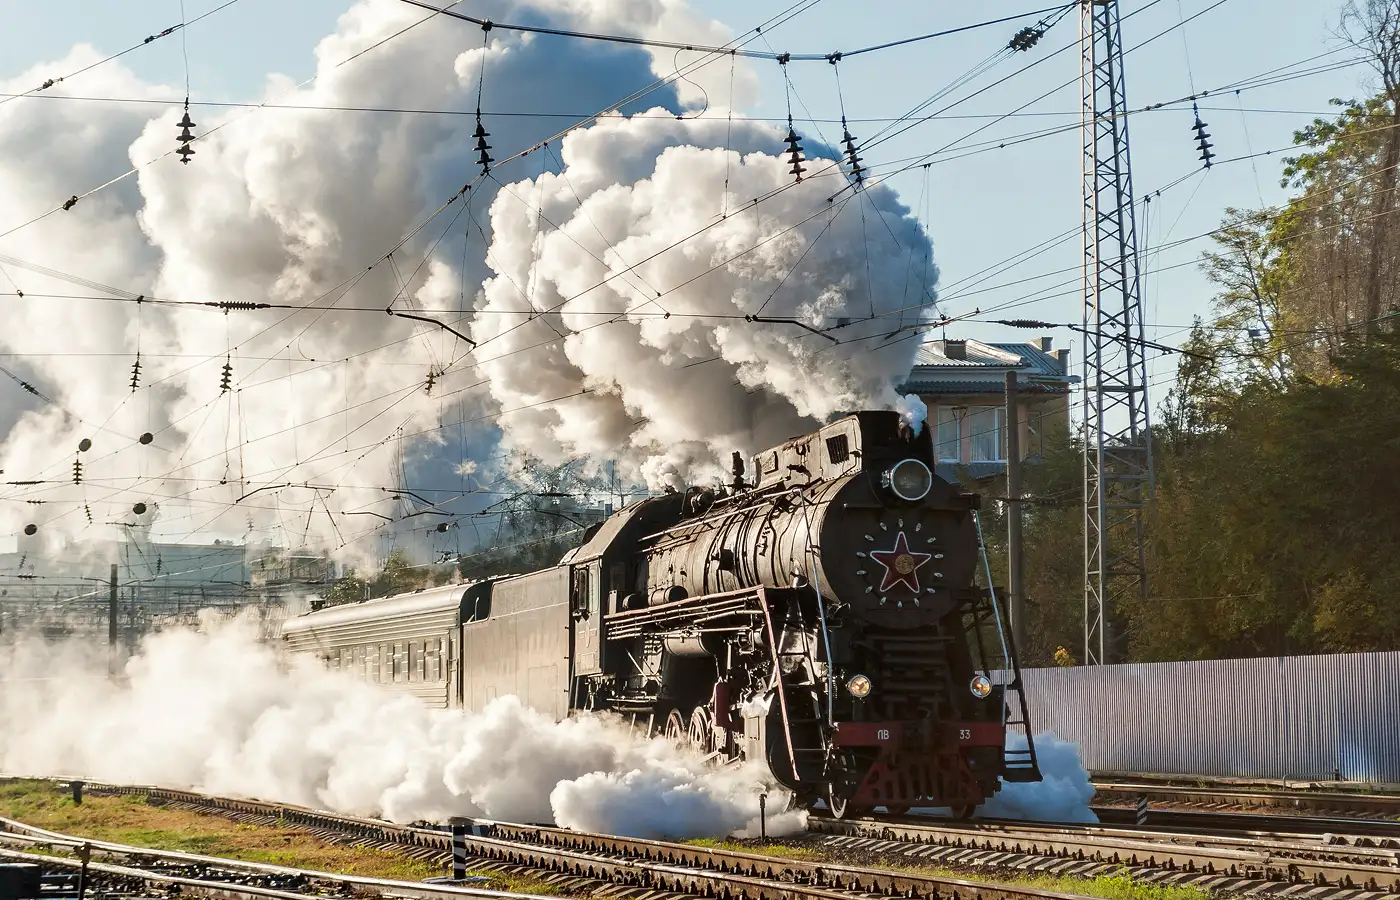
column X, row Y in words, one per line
column 981, row 686
column 909, row 479
column 859, row 686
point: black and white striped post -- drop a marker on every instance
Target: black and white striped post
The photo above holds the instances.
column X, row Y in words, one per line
column 459, row 852
column 1142, row 809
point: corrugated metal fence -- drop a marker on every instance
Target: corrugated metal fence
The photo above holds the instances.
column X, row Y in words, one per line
column 1304, row 717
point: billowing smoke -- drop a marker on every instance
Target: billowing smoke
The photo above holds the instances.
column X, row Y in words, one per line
column 629, row 274
column 913, row 411
column 1063, row 794
column 217, row 711
column 283, row 424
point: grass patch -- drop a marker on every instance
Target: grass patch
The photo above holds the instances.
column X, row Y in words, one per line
column 1119, row 886
column 758, row 848
column 129, row 820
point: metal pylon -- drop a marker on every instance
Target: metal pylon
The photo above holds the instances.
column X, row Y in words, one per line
column 1117, row 451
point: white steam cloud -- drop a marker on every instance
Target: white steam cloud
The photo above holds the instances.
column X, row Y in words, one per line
column 589, row 296
column 215, row 710
column 1062, row 795
column 289, row 206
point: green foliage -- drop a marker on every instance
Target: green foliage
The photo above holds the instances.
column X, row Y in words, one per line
column 1277, row 495
column 347, row 589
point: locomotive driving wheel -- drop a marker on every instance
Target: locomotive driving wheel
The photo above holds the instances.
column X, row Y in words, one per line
column 702, row 732
column 675, row 729
column 842, row 786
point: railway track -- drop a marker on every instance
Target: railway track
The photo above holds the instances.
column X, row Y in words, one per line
column 150, row 873
column 601, row 865
column 1119, row 796
column 1254, row 862
column 1262, row 863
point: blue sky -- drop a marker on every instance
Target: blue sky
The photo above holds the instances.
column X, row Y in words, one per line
column 981, row 209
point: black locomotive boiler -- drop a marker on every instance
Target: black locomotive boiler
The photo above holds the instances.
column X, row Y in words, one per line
column 822, row 618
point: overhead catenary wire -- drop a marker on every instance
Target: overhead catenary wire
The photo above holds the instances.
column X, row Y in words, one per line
column 181, row 26
column 488, row 24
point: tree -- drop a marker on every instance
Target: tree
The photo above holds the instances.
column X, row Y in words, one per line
column 398, row 576
column 349, row 588
column 543, row 519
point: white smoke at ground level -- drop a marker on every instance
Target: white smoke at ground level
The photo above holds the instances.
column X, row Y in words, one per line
column 214, row 710
column 1062, row 795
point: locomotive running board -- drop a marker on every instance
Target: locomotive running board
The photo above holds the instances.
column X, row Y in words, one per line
column 699, row 610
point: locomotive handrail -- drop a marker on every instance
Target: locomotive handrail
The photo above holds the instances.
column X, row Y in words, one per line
column 821, row 612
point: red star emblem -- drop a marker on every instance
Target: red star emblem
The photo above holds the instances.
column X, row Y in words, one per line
column 901, row 564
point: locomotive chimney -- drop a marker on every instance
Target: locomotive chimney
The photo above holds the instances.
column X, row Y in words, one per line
column 738, row 470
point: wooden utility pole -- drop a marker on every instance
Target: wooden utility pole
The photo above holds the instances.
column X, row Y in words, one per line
column 1015, row 586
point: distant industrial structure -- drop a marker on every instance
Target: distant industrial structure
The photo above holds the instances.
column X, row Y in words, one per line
column 157, row 585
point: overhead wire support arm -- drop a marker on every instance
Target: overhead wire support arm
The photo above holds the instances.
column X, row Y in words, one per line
column 790, row 321
column 728, row 51
column 443, row 325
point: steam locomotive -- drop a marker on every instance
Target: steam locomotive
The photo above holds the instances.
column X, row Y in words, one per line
column 822, row 618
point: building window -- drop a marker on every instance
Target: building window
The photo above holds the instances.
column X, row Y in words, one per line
column 987, row 431
column 948, row 443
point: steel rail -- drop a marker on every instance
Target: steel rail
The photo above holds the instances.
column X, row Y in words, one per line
column 1239, row 797
column 197, row 887
column 1249, row 862
column 1378, row 832
column 1255, row 863
column 653, row 865
column 19, row 832
column 1248, row 867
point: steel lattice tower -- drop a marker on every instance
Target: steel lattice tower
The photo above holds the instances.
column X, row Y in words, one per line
column 1117, row 450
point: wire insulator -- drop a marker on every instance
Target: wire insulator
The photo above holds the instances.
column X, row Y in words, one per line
column 1202, row 137
column 483, row 158
column 794, row 152
column 227, row 381
column 1026, row 38
column 857, row 171
column 432, row 380
column 77, row 471
column 227, row 305
column 136, row 373
column 185, row 124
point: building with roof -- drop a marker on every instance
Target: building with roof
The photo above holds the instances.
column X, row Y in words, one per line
column 963, row 383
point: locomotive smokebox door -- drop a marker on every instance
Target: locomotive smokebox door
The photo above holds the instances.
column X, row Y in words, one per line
column 586, row 618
